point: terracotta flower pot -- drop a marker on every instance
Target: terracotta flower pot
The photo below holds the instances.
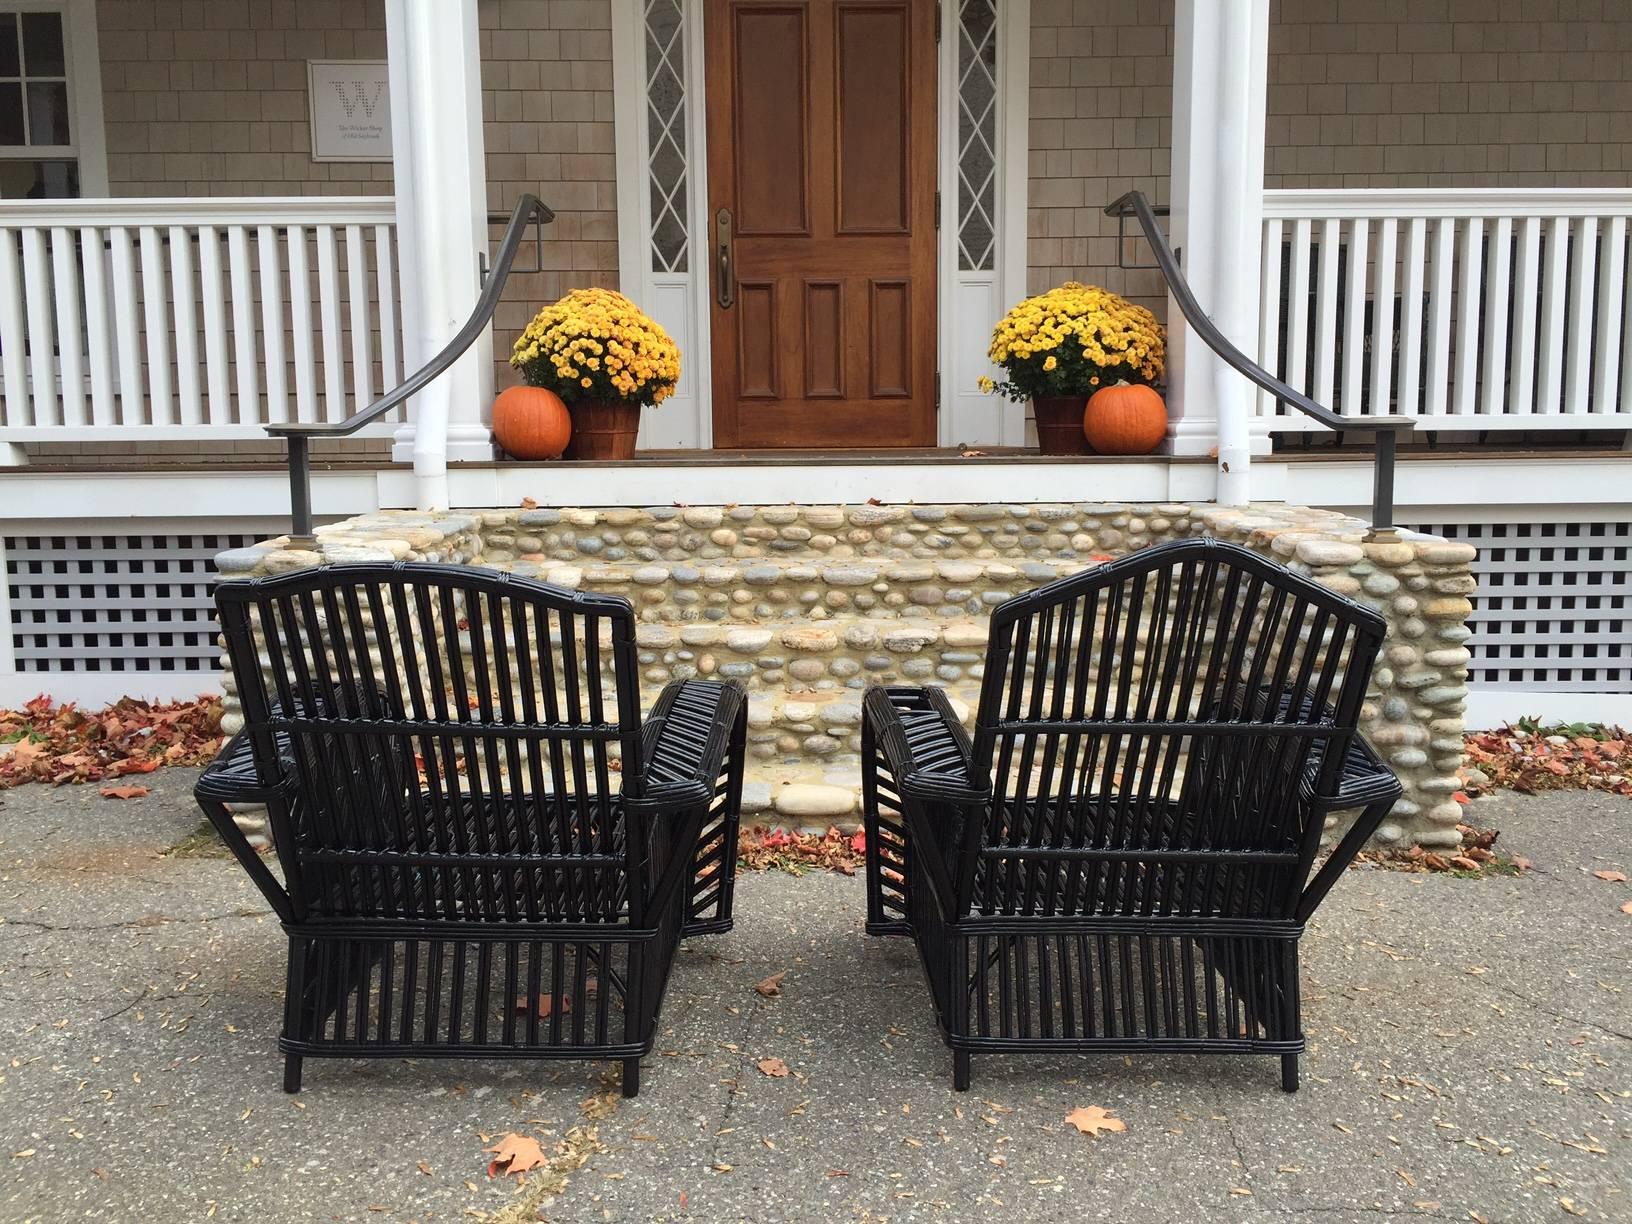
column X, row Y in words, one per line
column 604, row 431
column 1059, row 425
column 1127, row 419
column 531, row 423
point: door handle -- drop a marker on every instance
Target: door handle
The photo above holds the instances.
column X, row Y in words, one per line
column 725, row 274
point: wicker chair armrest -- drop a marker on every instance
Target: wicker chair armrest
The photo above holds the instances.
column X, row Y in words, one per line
column 1365, row 780
column 684, row 741
column 231, row 778
column 928, row 750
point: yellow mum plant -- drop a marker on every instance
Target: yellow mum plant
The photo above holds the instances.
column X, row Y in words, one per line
column 596, row 345
column 1071, row 341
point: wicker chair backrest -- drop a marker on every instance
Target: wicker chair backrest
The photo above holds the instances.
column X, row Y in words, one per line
column 454, row 740
column 1157, row 730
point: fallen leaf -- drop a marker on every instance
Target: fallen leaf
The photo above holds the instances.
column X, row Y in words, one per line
column 123, row 792
column 528, row 503
column 423, row 1168
column 1091, row 1119
column 1627, row 908
column 1614, row 877
column 514, row 1154
column 773, row 1067
column 771, row 986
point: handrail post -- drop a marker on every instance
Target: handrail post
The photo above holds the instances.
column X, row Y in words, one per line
column 300, row 491
column 1382, row 484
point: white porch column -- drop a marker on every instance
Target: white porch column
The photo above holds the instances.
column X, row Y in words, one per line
column 1220, row 86
column 441, row 192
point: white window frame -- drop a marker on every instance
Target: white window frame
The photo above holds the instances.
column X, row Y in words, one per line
column 83, row 62
column 970, row 303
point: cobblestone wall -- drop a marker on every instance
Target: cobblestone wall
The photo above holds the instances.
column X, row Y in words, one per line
column 807, row 605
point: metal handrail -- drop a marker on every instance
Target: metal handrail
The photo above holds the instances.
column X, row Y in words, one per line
column 1385, row 429
column 299, row 434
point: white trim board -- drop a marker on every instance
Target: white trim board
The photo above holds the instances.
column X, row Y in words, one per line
column 970, row 303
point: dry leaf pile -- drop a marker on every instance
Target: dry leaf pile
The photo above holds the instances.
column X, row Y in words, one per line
column 1531, row 757
column 1477, row 856
column 762, row 849
column 46, row 742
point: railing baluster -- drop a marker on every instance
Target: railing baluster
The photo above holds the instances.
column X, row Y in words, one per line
column 385, row 258
column 328, row 309
column 1493, row 392
column 1382, row 316
column 156, row 327
column 1269, row 314
column 98, row 338
column 185, row 297
column 1550, row 341
column 277, row 375
column 1465, row 380
column 300, row 324
column 245, row 351
column 362, row 336
column 1439, row 318
column 1354, row 321
column 216, row 370
column 42, row 370
column 1583, row 270
column 1297, row 345
column 1416, row 254
column 70, row 359
column 1326, row 311
column 127, row 333
column 1521, row 396
column 1612, row 333
column 13, row 349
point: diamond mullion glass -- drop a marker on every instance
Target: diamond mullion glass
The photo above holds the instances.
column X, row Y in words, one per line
column 977, row 135
column 666, row 133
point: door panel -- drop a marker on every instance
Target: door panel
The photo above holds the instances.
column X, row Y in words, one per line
column 821, row 156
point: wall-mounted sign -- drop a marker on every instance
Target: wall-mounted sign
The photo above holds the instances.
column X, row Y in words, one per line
column 351, row 110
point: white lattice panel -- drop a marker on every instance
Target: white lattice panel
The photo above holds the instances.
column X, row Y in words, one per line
column 132, row 604
column 1554, row 607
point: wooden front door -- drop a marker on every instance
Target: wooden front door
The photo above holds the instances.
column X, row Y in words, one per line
column 821, row 171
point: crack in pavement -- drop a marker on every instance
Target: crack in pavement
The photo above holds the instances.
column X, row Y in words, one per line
column 1533, row 1005
column 147, row 920
column 731, row 1094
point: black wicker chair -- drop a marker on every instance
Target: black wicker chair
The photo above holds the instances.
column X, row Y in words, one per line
column 484, row 852
column 1120, row 859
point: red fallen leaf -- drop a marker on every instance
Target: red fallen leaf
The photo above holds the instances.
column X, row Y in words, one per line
column 1100, row 557
column 514, row 1153
column 873, row 501
column 123, row 792
column 858, row 842
column 130, row 767
column 777, row 838
column 1461, row 797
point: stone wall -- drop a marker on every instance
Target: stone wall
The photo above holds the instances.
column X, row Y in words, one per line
column 807, row 605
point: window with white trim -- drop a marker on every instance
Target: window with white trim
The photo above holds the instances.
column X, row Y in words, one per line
column 39, row 149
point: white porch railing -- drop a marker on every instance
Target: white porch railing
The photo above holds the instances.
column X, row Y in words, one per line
column 137, row 319
column 1472, row 309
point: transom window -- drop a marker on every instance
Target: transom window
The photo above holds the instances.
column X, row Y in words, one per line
column 39, row 157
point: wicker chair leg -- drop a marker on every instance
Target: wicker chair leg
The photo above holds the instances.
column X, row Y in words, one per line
column 631, row 1077
column 1289, row 1072
column 291, row 1073
column 960, row 1070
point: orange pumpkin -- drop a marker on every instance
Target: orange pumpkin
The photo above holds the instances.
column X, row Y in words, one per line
column 531, row 423
column 1127, row 419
